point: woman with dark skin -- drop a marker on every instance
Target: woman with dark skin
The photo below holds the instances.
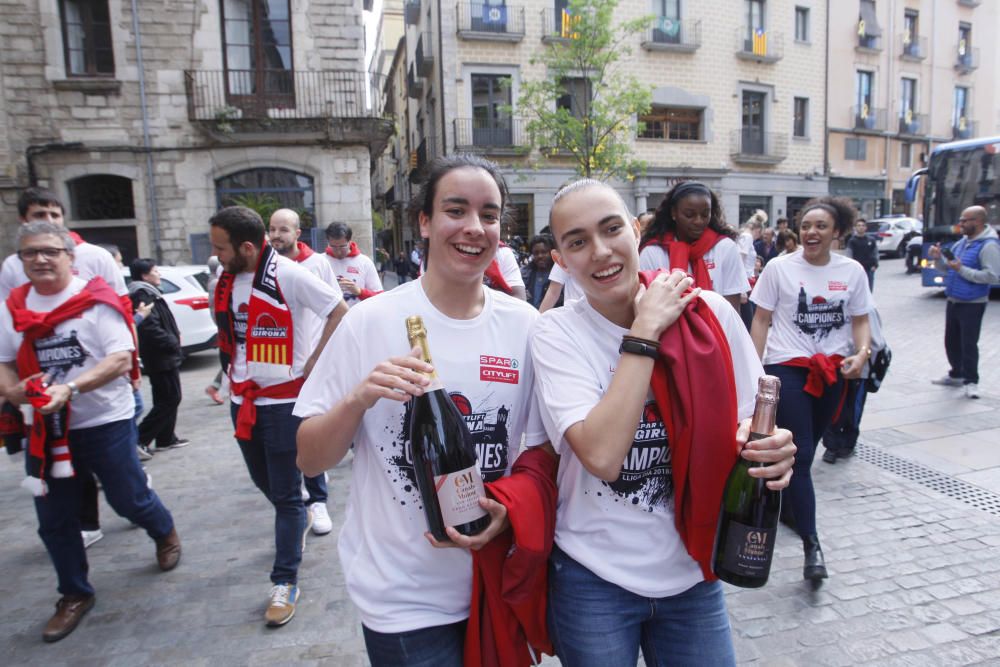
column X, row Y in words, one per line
column 536, row 273
column 689, row 224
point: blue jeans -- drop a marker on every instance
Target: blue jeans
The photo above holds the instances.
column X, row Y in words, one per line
column 594, row 623
column 807, row 418
column 107, row 451
column 270, row 458
column 438, row 646
column 962, row 324
column 316, row 487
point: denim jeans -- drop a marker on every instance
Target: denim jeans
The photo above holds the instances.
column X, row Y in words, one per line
column 594, row 623
column 807, row 417
column 270, row 458
column 962, row 324
column 107, row 451
column 438, row 646
column 316, row 488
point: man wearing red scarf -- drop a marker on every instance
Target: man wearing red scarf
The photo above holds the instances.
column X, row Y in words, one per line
column 283, row 232
column 267, row 308
column 355, row 272
column 66, row 346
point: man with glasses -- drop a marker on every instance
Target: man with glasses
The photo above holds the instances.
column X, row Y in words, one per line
column 65, row 347
column 356, row 273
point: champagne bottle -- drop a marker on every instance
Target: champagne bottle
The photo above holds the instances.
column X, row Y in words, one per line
column 748, row 520
column 444, row 455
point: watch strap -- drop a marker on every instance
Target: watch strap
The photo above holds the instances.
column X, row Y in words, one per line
column 640, row 346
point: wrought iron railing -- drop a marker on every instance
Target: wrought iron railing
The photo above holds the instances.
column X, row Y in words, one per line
column 912, row 123
column 481, row 19
column 225, row 96
column 670, row 33
column 965, row 129
column 752, row 145
column 966, row 59
column 762, row 45
column 869, row 118
column 472, row 133
column 914, row 48
column 425, row 54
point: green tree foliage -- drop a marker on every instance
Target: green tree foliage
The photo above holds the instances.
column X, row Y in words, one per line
column 596, row 131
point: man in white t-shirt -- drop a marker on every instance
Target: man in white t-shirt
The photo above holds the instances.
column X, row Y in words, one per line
column 267, row 308
column 355, row 272
column 283, row 232
column 89, row 260
column 71, row 366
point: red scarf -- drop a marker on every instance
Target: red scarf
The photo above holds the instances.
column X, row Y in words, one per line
column 683, row 254
column 305, row 252
column 509, row 575
column 269, row 338
column 50, row 433
column 695, row 390
column 823, row 373
column 494, row 277
column 352, row 251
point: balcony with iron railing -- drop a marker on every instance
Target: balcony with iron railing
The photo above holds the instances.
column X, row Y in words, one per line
column 868, row 119
column 966, row 59
column 912, row 124
column 424, row 54
column 426, row 151
column 762, row 46
column 912, row 47
column 868, row 43
column 557, row 25
column 503, row 137
column 494, row 23
column 753, row 146
column 228, row 96
column 672, row 35
column 411, row 12
column 964, row 129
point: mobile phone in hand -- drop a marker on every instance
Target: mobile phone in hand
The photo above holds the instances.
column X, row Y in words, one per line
column 948, row 254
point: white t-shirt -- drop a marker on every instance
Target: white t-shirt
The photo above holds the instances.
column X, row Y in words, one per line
column 725, row 267
column 747, row 252
column 812, row 306
column 571, row 291
column 623, row 531
column 76, row 346
column 396, row 579
column 311, row 301
column 359, row 269
column 507, row 261
column 89, row 260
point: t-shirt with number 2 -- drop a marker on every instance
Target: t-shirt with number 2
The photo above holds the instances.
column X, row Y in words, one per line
column 398, row 581
column 622, row 531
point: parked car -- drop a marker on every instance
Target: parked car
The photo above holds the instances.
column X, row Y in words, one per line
column 893, row 234
column 184, row 289
column 913, row 249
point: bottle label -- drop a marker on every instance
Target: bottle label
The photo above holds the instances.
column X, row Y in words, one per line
column 458, row 495
column 748, row 550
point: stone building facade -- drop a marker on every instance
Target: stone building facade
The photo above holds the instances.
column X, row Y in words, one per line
column 145, row 124
column 744, row 115
column 905, row 76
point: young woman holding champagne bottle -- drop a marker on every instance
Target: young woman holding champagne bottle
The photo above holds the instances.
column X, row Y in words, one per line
column 414, row 598
column 636, row 518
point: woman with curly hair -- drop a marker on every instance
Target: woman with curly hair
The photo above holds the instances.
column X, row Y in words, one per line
column 811, row 330
column 689, row 232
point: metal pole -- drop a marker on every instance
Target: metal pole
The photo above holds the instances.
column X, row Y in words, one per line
column 154, row 217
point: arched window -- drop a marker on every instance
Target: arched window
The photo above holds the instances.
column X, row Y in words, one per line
column 265, row 190
column 101, row 197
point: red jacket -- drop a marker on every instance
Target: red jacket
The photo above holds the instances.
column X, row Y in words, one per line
column 509, row 575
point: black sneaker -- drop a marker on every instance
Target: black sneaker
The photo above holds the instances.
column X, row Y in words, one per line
column 176, row 443
column 829, row 456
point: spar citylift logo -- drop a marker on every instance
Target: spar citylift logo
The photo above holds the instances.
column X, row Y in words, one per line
column 498, row 369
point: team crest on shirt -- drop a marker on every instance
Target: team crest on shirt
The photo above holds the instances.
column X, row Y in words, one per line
column 817, row 316
column 58, row 354
column 836, row 286
column 646, row 479
column 353, row 269
column 498, row 369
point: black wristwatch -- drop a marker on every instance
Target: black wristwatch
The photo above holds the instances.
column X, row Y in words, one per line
column 640, row 346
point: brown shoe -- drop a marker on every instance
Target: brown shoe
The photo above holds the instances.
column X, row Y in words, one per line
column 69, row 610
column 168, row 551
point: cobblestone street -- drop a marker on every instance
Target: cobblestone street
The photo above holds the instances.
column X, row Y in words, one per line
column 910, row 527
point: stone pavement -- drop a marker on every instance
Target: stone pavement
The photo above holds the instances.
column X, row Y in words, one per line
column 914, row 560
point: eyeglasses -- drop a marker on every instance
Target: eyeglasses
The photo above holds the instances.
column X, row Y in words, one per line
column 30, row 254
column 339, row 247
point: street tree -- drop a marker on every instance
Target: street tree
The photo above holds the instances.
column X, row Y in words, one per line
column 585, row 108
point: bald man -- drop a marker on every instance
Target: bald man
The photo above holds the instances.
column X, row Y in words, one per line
column 283, row 232
column 973, row 264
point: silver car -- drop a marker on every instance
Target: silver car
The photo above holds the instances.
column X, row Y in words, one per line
column 893, row 234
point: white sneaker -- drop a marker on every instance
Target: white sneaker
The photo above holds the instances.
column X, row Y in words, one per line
column 91, row 536
column 948, row 381
column 971, row 391
column 321, row 522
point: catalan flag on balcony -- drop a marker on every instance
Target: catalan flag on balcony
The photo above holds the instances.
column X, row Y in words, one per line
column 568, row 22
column 759, row 42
